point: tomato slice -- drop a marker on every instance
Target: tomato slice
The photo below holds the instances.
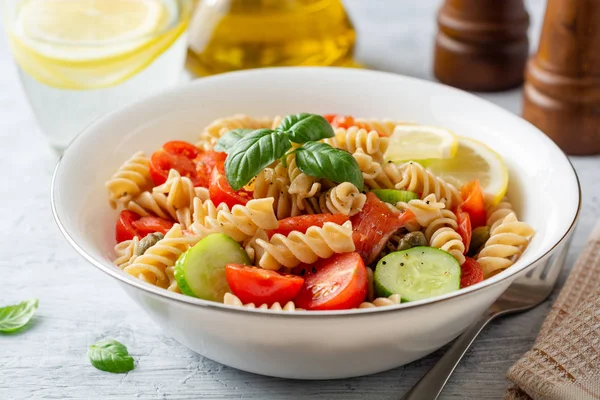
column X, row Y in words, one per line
column 261, row 286
column 473, row 203
column 338, row 283
column 205, row 163
column 181, row 148
column 148, row 225
column 176, row 155
column 464, row 228
column 340, row 121
column 302, row 222
column 221, row 191
column 125, row 230
column 472, row 273
column 374, row 225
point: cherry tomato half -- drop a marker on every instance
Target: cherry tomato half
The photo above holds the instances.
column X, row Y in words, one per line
column 338, row 283
column 472, row 273
column 125, row 229
column 464, row 228
column 176, row 155
column 150, row 224
column 261, row 286
column 221, row 191
column 205, row 163
column 340, row 121
column 473, row 203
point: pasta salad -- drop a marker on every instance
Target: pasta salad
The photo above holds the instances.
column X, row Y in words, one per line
column 315, row 212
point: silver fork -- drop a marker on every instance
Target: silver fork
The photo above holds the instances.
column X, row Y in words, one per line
column 523, row 294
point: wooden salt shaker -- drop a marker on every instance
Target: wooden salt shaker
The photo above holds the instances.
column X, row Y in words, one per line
column 562, row 89
column 481, row 45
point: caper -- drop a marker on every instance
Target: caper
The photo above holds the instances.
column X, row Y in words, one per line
column 479, row 236
column 148, row 242
column 412, row 239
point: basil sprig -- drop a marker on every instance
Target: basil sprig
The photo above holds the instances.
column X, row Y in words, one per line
column 110, row 356
column 250, row 151
column 13, row 318
column 324, row 161
column 230, row 138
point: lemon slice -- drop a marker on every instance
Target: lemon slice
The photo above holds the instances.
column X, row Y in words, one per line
column 92, row 44
column 474, row 160
column 418, row 142
column 89, row 29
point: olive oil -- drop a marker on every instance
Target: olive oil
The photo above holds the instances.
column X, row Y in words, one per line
column 228, row 35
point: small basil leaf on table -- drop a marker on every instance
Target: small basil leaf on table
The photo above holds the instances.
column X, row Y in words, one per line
column 323, row 161
column 252, row 153
column 110, row 356
column 17, row 316
column 301, row 128
column 230, row 138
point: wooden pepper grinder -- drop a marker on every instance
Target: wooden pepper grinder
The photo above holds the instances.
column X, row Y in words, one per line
column 562, row 87
column 481, row 45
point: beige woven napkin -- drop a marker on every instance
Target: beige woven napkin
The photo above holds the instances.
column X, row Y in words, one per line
column 564, row 362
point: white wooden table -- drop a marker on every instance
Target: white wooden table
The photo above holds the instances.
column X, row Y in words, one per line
column 79, row 304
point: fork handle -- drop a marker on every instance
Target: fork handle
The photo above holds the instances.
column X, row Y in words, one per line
column 431, row 384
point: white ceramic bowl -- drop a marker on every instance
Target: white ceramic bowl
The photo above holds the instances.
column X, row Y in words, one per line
column 312, row 345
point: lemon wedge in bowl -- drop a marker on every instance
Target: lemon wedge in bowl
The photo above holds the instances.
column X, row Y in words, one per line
column 474, row 160
column 420, row 142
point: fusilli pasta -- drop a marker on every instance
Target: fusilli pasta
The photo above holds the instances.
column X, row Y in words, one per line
column 291, row 250
column 373, row 174
column 274, row 182
column 179, row 189
column 382, row 302
column 426, row 210
column 126, row 252
column 344, row 198
column 232, row 300
column 213, row 132
column 355, row 138
column 441, row 233
column 497, row 213
column 417, row 179
column 507, row 241
column 132, row 178
column 239, row 223
column 384, row 127
column 255, row 252
column 301, row 185
column 156, row 203
column 151, row 265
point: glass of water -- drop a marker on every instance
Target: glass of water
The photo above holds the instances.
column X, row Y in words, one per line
column 79, row 59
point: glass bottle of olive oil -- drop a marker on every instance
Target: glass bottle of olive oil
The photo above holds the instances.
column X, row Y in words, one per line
column 227, row 35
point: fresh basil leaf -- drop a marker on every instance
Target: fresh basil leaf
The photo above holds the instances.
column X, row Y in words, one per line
column 230, row 138
column 252, row 153
column 323, row 161
column 301, row 128
column 17, row 316
column 110, row 356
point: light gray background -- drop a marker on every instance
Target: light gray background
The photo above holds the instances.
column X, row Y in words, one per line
column 79, row 305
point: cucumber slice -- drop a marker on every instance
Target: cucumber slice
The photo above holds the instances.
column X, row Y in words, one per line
column 200, row 271
column 393, row 196
column 417, row 273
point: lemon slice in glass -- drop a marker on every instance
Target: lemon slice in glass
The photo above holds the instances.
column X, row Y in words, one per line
column 81, row 30
column 92, row 44
column 419, row 142
column 474, row 160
